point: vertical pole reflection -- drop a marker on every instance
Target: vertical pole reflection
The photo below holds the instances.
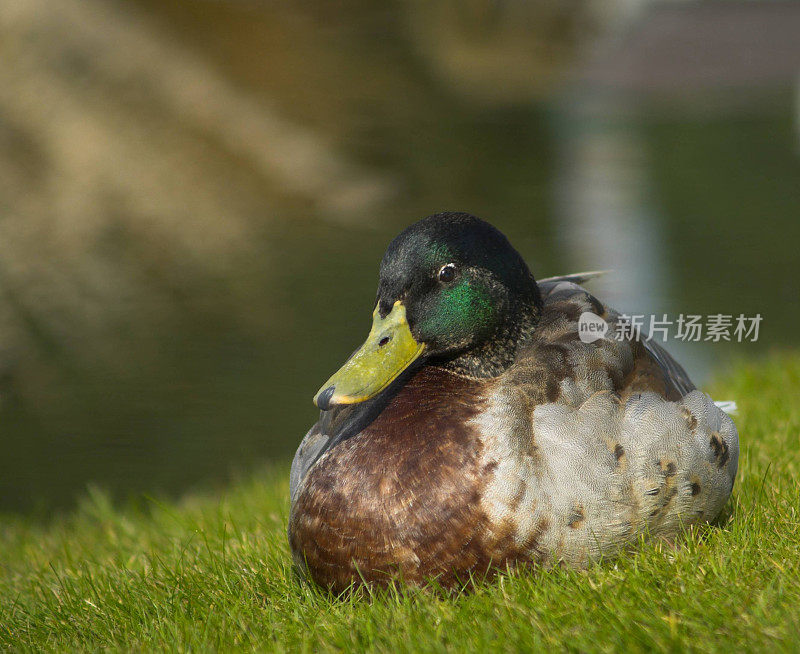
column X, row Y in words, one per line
column 607, row 216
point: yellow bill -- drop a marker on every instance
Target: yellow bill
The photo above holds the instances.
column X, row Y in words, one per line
column 388, row 351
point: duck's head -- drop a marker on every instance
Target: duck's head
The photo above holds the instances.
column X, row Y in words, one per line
column 452, row 292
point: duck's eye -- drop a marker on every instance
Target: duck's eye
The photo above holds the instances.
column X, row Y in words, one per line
column 447, row 273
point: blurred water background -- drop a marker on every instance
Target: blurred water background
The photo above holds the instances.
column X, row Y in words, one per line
column 194, row 198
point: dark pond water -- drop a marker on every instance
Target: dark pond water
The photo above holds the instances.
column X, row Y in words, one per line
column 193, row 344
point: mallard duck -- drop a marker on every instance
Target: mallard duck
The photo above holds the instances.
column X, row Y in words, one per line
column 474, row 430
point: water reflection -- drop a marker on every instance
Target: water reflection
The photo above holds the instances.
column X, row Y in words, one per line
column 609, row 215
column 195, row 198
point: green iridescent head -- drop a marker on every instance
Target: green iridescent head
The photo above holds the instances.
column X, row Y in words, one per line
column 449, row 285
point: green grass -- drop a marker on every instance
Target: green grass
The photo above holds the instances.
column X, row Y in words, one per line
column 213, row 572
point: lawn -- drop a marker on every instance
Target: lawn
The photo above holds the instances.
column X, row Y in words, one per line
column 212, row 571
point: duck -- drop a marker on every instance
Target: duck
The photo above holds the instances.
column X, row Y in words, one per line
column 476, row 431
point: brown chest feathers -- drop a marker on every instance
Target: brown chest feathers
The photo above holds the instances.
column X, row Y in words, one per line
column 402, row 498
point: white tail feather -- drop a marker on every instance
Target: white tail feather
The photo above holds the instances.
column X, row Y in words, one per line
column 728, row 406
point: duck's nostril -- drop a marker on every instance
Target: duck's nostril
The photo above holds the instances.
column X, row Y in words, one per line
column 384, row 341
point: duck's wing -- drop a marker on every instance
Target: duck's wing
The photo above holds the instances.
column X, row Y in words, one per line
column 566, row 288
column 315, row 442
column 333, row 427
column 672, row 369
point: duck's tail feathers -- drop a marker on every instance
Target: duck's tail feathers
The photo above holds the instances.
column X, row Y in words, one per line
column 728, row 406
column 576, row 278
